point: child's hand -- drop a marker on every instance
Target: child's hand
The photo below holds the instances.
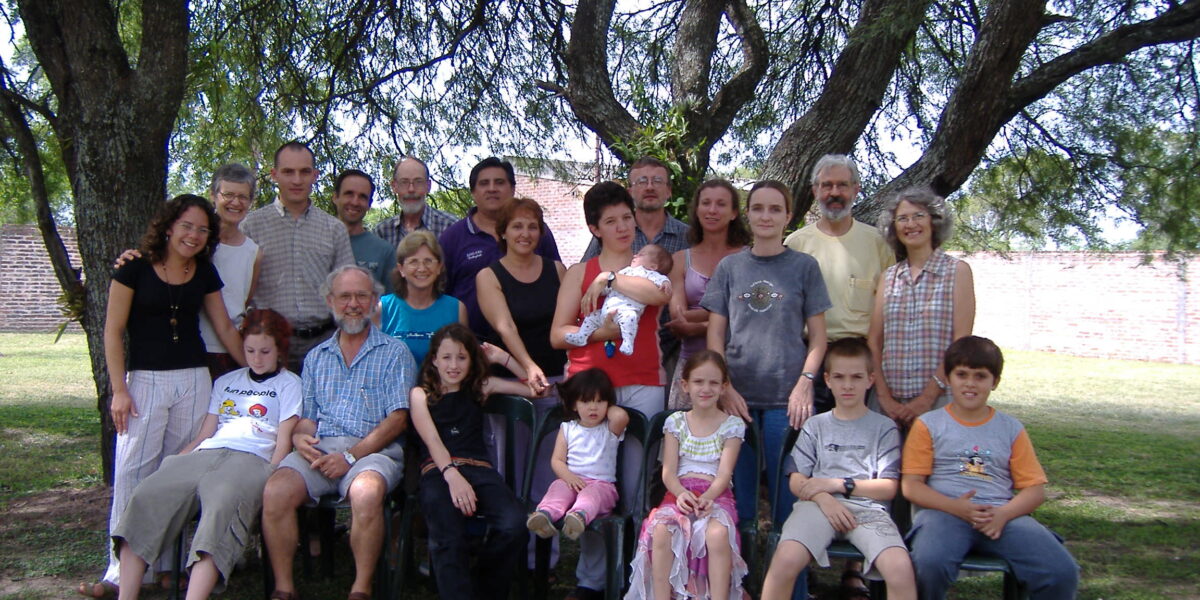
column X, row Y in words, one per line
column 575, row 481
column 687, row 502
column 994, row 526
column 839, row 516
column 703, row 506
column 462, row 495
column 816, row 485
column 975, row 514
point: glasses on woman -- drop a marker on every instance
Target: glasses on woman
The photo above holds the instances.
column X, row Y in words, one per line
column 916, row 217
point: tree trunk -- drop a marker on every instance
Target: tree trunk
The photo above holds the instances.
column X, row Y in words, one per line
column 852, row 95
column 113, row 125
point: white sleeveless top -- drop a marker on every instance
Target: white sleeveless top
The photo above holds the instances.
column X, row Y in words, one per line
column 235, row 265
column 592, row 451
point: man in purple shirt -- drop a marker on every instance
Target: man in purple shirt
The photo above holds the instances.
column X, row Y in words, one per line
column 473, row 242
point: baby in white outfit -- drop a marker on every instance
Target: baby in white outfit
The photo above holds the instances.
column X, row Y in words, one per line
column 651, row 262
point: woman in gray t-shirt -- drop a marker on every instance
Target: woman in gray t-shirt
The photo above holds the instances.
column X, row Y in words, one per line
column 762, row 301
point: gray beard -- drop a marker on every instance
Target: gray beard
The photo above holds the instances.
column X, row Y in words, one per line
column 352, row 325
column 415, row 206
column 836, row 215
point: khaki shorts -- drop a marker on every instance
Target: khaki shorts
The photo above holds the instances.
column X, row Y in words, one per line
column 875, row 532
column 388, row 462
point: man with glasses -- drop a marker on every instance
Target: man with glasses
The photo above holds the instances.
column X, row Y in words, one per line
column 301, row 244
column 353, row 191
column 650, row 186
column 410, row 183
column 355, row 406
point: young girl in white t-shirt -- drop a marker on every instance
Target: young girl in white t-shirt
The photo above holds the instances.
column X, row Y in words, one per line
column 689, row 544
column 585, row 457
column 221, row 473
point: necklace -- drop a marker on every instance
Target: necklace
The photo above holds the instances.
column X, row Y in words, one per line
column 174, row 301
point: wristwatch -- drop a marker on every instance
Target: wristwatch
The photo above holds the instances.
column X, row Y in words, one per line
column 612, row 276
column 350, row 460
column 849, row 483
column 810, row 375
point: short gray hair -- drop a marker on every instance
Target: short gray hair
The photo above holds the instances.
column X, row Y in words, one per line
column 233, row 173
column 327, row 285
column 923, row 196
column 836, row 160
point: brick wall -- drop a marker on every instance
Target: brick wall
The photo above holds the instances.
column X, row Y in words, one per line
column 1085, row 304
column 27, row 282
column 562, row 207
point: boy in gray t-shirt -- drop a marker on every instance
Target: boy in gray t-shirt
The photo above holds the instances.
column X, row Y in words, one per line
column 844, row 471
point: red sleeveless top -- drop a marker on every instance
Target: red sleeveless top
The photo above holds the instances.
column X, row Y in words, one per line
column 643, row 367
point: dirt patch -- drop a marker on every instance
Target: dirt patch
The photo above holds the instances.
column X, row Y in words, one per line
column 74, row 513
column 86, row 507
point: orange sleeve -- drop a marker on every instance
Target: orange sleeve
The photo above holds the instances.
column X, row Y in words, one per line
column 917, row 458
column 1024, row 467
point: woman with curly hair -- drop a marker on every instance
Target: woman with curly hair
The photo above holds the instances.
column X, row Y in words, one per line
column 160, row 390
column 923, row 303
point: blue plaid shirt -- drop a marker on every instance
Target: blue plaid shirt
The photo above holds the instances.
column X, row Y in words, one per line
column 353, row 400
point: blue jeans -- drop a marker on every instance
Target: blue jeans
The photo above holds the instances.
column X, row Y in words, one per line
column 772, row 425
column 940, row 541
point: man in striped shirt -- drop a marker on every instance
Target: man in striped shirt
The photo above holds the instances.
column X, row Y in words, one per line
column 301, row 245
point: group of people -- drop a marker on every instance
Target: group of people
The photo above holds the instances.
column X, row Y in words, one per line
column 347, row 334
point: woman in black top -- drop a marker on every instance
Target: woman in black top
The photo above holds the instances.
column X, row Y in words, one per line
column 518, row 293
column 457, row 478
column 161, row 396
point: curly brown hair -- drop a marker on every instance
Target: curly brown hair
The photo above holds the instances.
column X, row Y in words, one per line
column 431, row 381
column 269, row 323
column 154, row 242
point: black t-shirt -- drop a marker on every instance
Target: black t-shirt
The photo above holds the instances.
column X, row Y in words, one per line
column 459, row 421
column 532, row 308
column 154, row 344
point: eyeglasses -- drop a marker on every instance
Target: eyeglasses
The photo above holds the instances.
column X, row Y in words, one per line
column 418, row 182
column 915, row 217
column 645, row 181
column 362, row 297
column 415, row 262
column 189, row 228
column 829, row 185
column 231, row 196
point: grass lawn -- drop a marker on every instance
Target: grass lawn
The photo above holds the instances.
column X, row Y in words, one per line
column 1120, row 441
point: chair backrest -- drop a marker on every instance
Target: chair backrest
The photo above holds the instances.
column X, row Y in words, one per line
column 515, row 409
column 637, row 429
column 785, row 494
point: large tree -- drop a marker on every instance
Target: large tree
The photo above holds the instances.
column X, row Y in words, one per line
column 112, row 96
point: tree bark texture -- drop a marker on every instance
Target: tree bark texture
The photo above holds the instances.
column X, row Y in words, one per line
column 852, row 95
column 115, row 114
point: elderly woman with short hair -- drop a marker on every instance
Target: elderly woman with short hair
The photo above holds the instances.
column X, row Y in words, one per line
column 923, row 303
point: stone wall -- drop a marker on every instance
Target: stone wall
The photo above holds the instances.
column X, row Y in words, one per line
column 27, row 284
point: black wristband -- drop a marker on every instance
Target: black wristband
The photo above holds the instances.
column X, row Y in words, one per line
column 448, row 467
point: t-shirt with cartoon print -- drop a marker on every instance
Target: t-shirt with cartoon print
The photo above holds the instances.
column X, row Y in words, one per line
column 767, row 300
column 249, row 412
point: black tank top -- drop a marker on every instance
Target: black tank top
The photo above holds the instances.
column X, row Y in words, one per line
column 532, row 308
column 459, row 421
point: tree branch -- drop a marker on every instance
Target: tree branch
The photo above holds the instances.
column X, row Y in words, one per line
column 852, row 94
column 589, row 89
column 1179, row 24
column 739, row 90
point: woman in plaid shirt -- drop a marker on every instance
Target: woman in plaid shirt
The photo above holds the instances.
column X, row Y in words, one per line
column 924, row 302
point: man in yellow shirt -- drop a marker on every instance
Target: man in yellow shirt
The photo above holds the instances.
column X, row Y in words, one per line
column 852, row 255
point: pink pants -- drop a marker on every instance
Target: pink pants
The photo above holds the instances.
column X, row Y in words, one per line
column 595, row 500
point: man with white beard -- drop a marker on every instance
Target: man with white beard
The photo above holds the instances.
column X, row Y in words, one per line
column 347, row 442
column 410, row 183
column 852, row 255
